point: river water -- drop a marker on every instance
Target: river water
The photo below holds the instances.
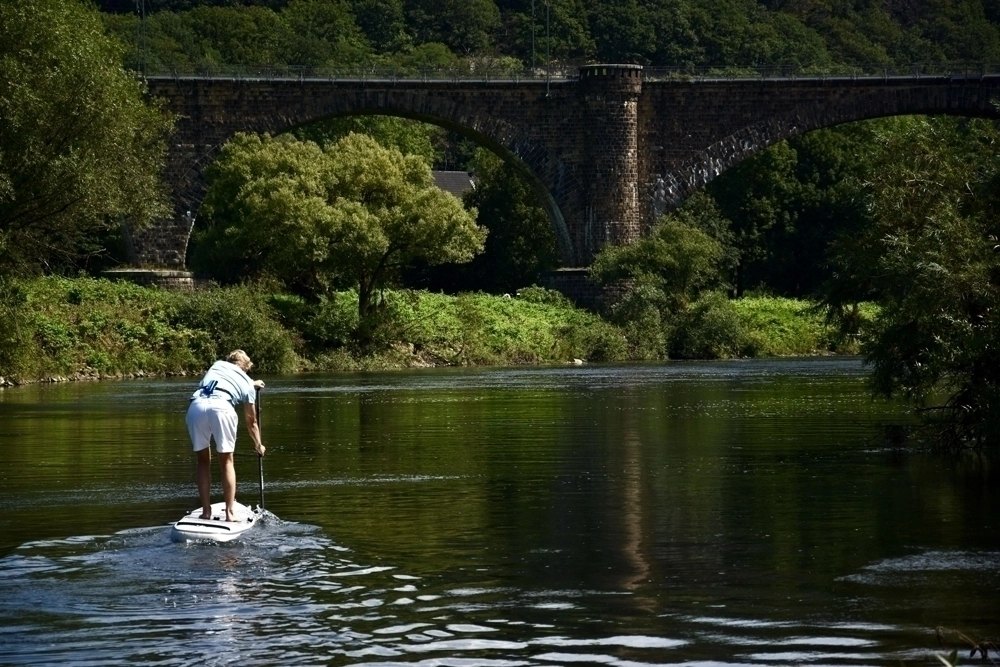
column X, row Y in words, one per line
column 733, row 513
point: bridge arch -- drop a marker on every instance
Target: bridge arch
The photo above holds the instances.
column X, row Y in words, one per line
column 899, row 97
column 210, row 111
column 511, row 153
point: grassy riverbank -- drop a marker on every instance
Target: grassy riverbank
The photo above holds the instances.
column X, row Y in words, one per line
column 60, row 328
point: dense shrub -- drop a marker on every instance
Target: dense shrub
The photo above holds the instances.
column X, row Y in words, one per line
column 643, row 315
column 536, row 294
column 58, row 326
column 483, row 329
column 94, row 327
column 777, row 326
column 238, row 317
column 333, row 321
column 714, row 327
column 16, row 331
column 710, row 329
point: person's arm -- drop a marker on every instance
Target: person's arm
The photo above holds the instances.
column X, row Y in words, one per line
column 251, row 417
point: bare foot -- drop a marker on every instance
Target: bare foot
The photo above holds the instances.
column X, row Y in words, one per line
column 207, row 517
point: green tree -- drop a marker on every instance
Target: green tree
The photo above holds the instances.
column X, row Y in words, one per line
column 659, row 277
column 184, row 42
column 384, row 22
column 307, row 33
column 676, row 258
column 355, row 213
column 466, row 26
column 323, row 33
column 521, row 243
column 625, row 33
column 264, row 204
column 429, row 55
column 410, row 137
column 79, row 148
column 675, row 41
column 932, row 258
column 568, row 38
column 238, row 35
column 742, row 33
column 757, row 195
column 787, row 204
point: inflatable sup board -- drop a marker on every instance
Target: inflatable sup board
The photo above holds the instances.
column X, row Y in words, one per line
column 193, row 527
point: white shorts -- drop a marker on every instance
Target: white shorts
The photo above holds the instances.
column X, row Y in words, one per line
column 212, row 417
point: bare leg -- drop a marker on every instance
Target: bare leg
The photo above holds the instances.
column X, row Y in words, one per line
column 228, row 483
column 204, row 478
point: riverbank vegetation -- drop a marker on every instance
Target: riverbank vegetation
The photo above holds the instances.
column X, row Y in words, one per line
column 89, row 328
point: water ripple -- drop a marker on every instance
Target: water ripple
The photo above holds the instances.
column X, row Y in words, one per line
column 283, row 597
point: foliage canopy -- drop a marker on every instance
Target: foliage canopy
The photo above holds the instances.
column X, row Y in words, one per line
column 676, row 258
column 682, row 33
column 521, row 243
column 79, row 148
column 932, row 259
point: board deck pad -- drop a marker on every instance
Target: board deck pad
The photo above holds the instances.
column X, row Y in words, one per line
column 193, row 527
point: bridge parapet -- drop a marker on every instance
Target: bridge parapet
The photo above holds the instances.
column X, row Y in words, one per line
column 487, row 71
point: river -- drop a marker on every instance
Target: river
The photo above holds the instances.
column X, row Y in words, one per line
column 730, row 513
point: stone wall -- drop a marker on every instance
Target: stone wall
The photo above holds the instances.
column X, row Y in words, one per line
column 163, row 244
column 167, row 279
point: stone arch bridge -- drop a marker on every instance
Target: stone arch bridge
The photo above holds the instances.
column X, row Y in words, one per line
column 607, row 151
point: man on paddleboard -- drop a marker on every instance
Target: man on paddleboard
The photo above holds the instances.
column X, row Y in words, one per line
column 212, row 414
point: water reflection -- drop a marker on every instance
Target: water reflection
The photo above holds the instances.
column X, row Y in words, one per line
column 734, row 513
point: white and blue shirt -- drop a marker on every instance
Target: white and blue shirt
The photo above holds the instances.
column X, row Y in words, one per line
column 227, row 381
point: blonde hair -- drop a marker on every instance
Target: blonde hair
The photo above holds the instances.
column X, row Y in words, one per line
column 240, row 358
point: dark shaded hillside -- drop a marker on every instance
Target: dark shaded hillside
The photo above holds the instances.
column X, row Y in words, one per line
column 741, row 33
column 129, row 6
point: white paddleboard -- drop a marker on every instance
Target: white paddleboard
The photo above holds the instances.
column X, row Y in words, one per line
column 193, row 527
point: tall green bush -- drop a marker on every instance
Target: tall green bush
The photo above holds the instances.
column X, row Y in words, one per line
column 239, row 317
column 710, row 329
column 92, row 327
column 16, row 331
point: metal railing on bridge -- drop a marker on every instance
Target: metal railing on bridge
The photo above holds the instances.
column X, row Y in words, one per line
column 487, row 72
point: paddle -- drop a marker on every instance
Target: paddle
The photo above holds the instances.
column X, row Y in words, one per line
column 260, row 459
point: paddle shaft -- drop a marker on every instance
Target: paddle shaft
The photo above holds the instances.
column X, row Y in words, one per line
column 260, row 459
